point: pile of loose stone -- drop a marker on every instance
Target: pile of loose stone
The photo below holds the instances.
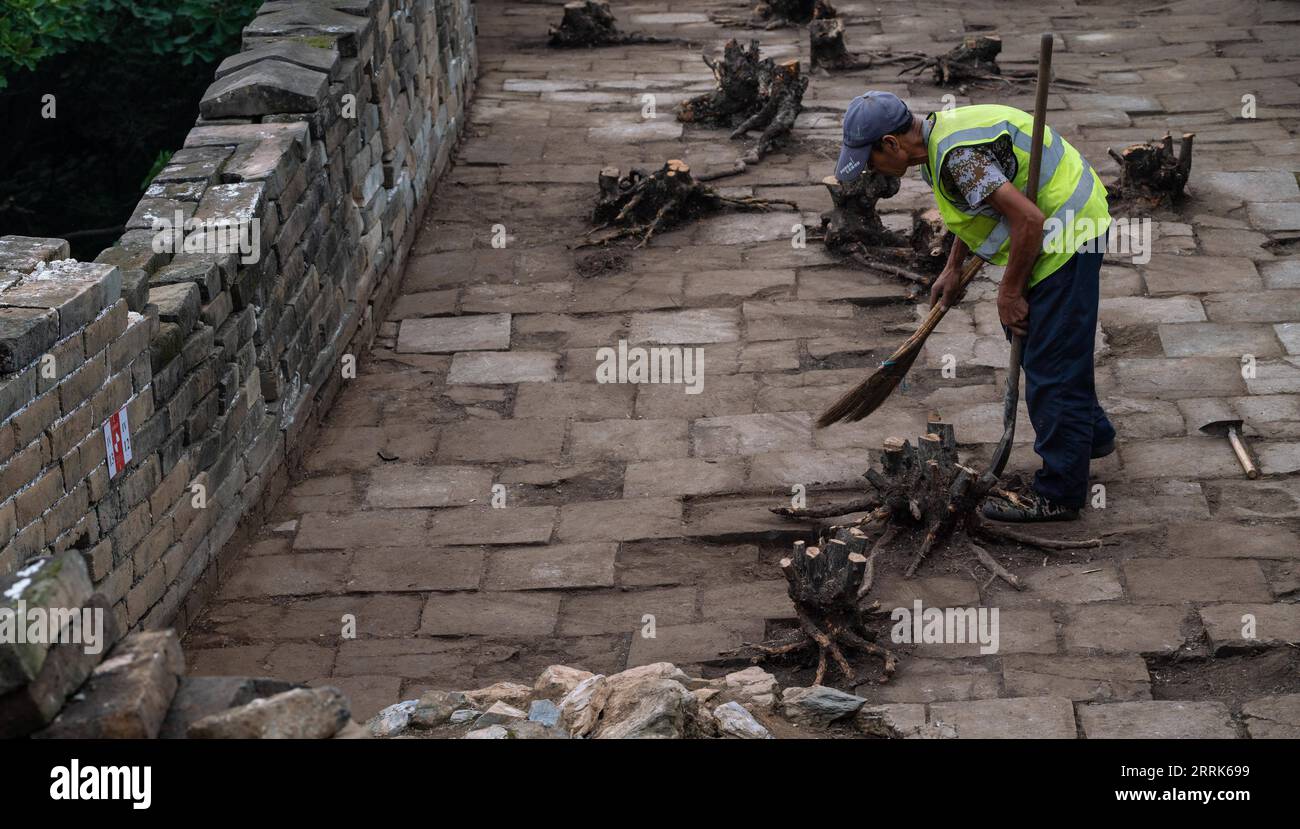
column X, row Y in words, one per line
column 650, row 701
column 138, row 688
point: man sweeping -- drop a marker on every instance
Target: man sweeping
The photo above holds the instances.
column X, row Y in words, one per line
column 976, row 160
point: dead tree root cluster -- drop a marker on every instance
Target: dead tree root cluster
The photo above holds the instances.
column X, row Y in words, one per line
column 589, row 24
column 1150, row 174
column 854, row 228
column 751, row 93
column 922, row 501
column 974, row 62
column 777, row 14
column 640, row 204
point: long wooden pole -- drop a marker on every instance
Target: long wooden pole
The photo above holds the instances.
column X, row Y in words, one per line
column 1011, row 398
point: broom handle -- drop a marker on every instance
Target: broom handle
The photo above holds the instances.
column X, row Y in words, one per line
column 931, row 321
column 1011, row 399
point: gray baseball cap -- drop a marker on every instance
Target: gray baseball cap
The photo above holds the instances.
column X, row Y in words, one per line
column 870, row 116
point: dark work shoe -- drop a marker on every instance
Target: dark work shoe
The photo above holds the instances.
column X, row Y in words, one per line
column 1103, row 450
column 1031, row 509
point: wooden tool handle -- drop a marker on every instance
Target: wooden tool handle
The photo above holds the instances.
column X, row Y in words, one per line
column 968, row 272
column 1040, row 115
column 1011, row 397
column 1243, row 456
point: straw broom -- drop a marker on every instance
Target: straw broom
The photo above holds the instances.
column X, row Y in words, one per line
column 867, row 396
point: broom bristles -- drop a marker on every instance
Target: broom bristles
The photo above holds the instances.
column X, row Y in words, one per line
column 868, row 395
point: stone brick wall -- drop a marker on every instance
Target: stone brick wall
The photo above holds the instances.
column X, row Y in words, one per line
column 326, row 135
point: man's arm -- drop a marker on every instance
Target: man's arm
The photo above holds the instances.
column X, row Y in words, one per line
column 1026, row 245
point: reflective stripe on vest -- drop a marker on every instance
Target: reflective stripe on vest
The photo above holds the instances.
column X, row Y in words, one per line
column 1076, row 210
column 1079, row 198
column 1052, row 153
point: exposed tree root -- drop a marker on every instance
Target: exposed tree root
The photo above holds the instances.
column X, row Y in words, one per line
column 826, row 42
column 996, row 569
column 1150, row 174
column 829, row 511
column 974, row 62
column 751, row 93
column 777, row 14
column 590, row 23
column 639, row 204
column 781, row 87
column 1006, row 534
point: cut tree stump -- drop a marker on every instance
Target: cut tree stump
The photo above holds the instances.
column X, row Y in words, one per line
column 776, row 14
column 974, row 59
column 1150, row 174
column 926, row 489
column 736, row 76
column 975, row 62
column 780, row 87
column 590, row 23
column 827, row 584
column 751, row 93
column 829, row 52
column 922, row 500
column 931, row 240
column 853, row 218
column 641, row 204
column 852, row 227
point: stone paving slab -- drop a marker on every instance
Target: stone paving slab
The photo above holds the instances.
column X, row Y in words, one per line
column 1124, row 628
column 1037, row 718
column 1238, row 627
column 447, row 335
column 1158, row 719
column 486, row 506
column 1273, row 717
column 1097, row 679
column 551, row 567
column 936, row 680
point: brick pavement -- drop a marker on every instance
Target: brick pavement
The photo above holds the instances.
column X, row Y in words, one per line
column 627, row 501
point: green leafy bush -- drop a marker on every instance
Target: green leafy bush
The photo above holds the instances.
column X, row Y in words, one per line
column 127, row 76
column 191, row 30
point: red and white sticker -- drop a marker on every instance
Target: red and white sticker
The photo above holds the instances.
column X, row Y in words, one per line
column 117, row 442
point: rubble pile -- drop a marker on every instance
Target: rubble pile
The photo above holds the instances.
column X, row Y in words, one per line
column 657, row 701
column 62, row 677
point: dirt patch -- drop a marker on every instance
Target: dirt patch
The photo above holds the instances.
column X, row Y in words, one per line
column 590, row 482
column 599, row 262
column 1134, row 340
column 1231, row 679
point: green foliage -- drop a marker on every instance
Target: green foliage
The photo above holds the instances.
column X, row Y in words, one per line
column 191, row 30
column 160, row 162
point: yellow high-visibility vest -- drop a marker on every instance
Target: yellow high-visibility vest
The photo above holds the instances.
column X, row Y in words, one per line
column 1070, row 193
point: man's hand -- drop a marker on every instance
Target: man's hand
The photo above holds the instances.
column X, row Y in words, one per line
column 946, row 289
column 1013, row 312
column 1026, row 244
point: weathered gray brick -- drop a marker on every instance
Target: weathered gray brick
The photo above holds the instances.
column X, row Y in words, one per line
column 57, row 583
column 127, row 696
column 177, row 303
column 76, row 291
column 25, row 334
